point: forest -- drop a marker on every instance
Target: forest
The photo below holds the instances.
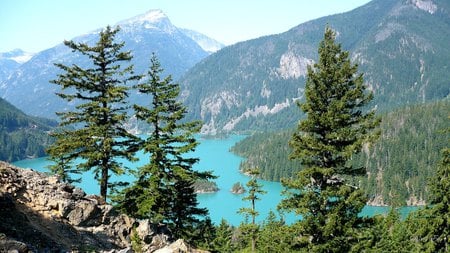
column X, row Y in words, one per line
column 405, row 155
column 22, row 136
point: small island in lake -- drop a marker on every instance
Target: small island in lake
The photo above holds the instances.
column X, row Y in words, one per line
column 205, row 186
column 237, row 188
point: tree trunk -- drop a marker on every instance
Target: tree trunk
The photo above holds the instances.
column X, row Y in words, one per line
column 104, row 183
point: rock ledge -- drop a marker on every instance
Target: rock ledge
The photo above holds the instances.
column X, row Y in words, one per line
column 40, row 214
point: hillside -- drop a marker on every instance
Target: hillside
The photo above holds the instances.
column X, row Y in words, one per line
column 398, row 165
column 400, row 46
column 29, row 87
column 22, row 136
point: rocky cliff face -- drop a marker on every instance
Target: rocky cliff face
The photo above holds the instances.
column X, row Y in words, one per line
column 39, row 213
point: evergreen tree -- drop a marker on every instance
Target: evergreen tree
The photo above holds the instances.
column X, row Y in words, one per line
column 275, row 236
column 164, row 191
column 335, row 128
column 254, row 189
column 430, row 227
column 62, row 155
column 222, row 241
column 97, row 135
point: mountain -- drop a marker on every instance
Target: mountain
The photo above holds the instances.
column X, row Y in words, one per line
column 17, row 55
column 205, row 42
column 401, row 46
column 22, row 136
column 29, row 89
column 10, row 61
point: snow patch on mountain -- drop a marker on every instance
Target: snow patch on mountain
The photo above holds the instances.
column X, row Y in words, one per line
column 152, row 16
column 17, row 55
column 22, row 58
column 151, row 20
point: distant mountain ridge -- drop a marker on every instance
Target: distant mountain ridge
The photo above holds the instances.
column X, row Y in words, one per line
column 28, row 86
column 17, row 55
column 205, row 42
column 401, row 46
column 10, row 62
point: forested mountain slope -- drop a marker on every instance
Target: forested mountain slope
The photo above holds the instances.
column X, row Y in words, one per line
column 22, row 136
column 398, row 165
column 401, row 46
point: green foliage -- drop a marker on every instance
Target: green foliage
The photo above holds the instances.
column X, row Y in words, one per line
column 97, row 135
column 164, row 189
column 22, row 136
column 203, row 235
column 430, row 227
column 223, row 239
column 386, row 234
column 400, row 164
column 335, row 128
column 407, row 151
column 275, row 236
column 425, row 230
column 254, row 190
column 428, row 230
column 268, row 151
column 60, row 152
column 136, row 241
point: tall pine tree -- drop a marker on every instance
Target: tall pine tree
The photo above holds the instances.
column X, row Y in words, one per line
column 94, row 130
column 254, row 189
column 335, row 128
column 163, row 191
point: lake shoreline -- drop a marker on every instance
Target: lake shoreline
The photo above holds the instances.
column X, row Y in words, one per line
column 214, row 156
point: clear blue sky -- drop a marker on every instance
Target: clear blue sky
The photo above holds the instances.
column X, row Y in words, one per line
column 35, row 25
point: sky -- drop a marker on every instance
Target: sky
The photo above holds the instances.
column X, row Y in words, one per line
column 35, row 25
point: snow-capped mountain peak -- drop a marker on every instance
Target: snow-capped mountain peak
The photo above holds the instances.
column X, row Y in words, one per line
column 151, row 16
column 152, row 19
column 17, row 55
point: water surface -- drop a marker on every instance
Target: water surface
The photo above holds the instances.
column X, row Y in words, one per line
column 214, row 156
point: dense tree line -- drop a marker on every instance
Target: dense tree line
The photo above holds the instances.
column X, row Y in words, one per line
column 407, row 151
column 406, row 155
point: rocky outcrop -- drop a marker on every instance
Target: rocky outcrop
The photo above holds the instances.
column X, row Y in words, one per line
column 179, row 246
column 39, row 213
column 237, row 188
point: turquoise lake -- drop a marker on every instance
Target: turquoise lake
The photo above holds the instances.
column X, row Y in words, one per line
column 215, row 156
